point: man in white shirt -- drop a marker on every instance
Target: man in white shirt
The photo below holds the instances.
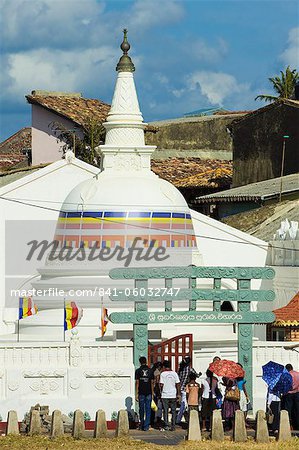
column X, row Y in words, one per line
column 170, row 388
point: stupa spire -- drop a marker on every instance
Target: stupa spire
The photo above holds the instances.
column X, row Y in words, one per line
column 125, row 147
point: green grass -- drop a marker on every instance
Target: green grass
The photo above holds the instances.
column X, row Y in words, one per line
column 67, row 443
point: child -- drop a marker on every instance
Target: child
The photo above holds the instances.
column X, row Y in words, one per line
column 193, row 392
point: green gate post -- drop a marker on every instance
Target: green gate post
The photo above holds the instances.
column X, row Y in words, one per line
column 245, row 336
column 217, row 303
column 168, row 303
column 192, row 302
column 140, row 331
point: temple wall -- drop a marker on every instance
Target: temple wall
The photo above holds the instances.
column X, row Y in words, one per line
column 66, row 376
column 100, row 375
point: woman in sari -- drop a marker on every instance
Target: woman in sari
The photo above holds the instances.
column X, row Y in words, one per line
column 231, row 402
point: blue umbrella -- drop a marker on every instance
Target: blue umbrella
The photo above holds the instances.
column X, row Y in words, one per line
column 285, row 383
column 271, row 373
column 277, row 377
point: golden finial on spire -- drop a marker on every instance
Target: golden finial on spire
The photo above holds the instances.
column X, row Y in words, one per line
column 125, row 63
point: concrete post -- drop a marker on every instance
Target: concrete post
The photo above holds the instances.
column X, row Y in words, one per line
column 35, row 423
column 12, row 426
column 122, row 426
column 261, row 433
column 100, row 425
column 78, row 424
column 284, row 433
column 57, row 424
column 194, row 433
column 240, row 433
column 217, row 426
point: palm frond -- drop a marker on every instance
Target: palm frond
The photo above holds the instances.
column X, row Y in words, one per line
column 267, row 98
column 283, row 85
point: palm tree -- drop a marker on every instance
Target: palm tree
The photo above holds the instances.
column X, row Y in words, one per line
column 284, row 85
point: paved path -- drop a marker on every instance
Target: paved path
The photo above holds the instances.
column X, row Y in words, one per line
column 160, row 437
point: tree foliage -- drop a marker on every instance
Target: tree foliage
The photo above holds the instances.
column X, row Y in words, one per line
column 283, row 85
column 83, row 141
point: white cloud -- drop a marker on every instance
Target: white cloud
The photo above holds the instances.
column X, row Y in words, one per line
column 50, row 23
column 290, row 56
column 147, row 13
column 58, row 70
column 202, row 51
column 65, row 24
column 163, row 79
column 178, row 93
column 215, row 86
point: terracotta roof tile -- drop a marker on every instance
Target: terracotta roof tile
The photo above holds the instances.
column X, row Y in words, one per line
column 288, row 315
column 77, row 109
column 11, row 149
column 194, row 172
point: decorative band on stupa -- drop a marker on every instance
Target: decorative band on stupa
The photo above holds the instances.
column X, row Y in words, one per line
column 112, row 228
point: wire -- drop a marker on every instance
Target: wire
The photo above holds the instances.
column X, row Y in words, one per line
column 148, row 228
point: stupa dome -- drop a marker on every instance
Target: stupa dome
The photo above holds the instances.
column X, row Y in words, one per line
column 128, row 191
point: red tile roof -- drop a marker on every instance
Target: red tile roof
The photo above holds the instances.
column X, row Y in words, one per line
column 11, row 149
column 194, row 172
column 76, row 108
column 288, row 315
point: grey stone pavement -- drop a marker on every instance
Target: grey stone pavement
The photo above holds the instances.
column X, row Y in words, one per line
column 160, row 437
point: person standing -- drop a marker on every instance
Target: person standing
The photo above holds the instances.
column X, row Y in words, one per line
column 244, row 398
column 144, row 392
column 170, row 388
column 208, row 392
column 274, row 405
column 231, row 402
column 192, row 393
column 157, row 419
column 184, row 372
column 291, row 400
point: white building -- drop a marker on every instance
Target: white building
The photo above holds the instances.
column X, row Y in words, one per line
column 111, row 208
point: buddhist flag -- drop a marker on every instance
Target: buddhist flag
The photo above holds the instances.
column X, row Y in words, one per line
column 104, row 320
column 27, row 307
column 72, row 315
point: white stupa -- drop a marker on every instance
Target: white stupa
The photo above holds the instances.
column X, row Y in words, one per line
column 125, row 201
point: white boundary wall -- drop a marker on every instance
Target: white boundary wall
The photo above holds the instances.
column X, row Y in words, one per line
column 100, row 375
column 66, row 376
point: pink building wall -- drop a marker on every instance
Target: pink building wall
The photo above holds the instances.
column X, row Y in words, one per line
column 46, row 146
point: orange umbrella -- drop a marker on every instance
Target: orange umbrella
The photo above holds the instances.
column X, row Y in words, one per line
column 226, row 368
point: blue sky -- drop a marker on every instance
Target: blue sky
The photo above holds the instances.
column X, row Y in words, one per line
column 188, row 54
